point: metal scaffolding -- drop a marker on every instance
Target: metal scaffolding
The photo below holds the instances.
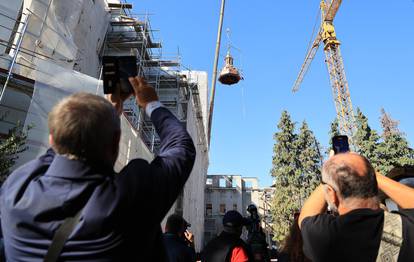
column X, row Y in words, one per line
column 131, row 34
column 127, row 34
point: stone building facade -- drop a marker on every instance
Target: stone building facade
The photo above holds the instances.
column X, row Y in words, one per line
column 234, row 192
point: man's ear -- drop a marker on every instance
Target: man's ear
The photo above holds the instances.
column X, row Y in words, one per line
column 332, row 195
column 51, row 143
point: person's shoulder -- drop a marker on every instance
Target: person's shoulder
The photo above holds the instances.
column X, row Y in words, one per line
column 321, row 220
column 409, row 212
column 134, row 168
column 35, row 166
column 406, row 214
column 23, row 174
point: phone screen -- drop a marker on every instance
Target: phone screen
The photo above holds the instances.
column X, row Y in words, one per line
column 340, row 144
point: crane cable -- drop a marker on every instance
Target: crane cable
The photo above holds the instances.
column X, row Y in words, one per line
column 313, row 31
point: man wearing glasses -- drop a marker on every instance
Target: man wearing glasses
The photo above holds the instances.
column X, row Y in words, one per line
column 359, row 230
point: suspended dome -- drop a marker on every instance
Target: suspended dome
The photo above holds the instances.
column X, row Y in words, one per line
column 229, row 75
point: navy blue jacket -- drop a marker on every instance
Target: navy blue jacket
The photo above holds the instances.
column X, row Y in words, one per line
column 121, row 213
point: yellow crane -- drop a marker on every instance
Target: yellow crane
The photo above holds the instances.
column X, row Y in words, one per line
column 326, row 35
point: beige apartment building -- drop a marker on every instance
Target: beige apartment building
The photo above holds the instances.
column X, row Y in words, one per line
column 234, row 192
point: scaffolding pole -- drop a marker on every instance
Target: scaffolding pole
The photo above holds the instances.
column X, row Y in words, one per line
column 13, row 62
column 214, row 77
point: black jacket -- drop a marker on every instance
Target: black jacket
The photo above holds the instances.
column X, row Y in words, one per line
column 220, row 248
column 177, row 249
column 121, row 213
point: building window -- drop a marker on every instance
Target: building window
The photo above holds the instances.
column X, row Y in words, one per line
column 248, row 184
column 234, row 206
column 222, row 209
column 209, row 209
column 209, row 181
column 234, row 183
column 222, row 182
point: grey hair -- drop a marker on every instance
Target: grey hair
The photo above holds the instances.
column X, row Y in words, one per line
column 349, row 182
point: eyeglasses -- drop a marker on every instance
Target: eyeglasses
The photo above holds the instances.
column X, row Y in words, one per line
column 324, row 183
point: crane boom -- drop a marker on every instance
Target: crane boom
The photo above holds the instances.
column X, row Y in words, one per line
column 332, row 10
column 334, row 62
column 340, row 90
column 308, row 60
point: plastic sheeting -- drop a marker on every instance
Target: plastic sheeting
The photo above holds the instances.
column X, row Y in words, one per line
column 9, row 13
column 71, row 33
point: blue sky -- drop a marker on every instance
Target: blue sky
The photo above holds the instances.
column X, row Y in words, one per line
column 377, row 46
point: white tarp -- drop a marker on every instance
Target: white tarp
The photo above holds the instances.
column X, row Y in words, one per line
column 70, row 33
column 9, row 12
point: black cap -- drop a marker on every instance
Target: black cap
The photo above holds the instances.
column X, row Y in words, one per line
column 234, row 219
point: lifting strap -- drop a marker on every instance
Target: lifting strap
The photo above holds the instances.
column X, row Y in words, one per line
column 391, row 239
column 61, row 235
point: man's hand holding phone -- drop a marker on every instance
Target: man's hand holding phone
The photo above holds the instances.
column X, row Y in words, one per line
column 144, row 93
column 117, row 98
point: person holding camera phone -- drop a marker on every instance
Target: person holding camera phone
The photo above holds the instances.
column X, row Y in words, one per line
column 360, row 230
column 70, row 205
column 179, row 242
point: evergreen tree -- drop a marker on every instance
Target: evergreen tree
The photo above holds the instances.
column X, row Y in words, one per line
column 389, row 125
column 366, row 140
column 10, row 147
column 296, row 172
column 285, row 171
column 394, row 150
column 310, row 161
column 334, row 129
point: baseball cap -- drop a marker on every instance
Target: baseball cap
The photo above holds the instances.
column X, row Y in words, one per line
column 234, row 219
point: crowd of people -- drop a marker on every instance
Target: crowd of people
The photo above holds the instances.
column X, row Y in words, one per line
column 70, row 205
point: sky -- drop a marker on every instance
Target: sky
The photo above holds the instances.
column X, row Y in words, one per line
column 271, row 38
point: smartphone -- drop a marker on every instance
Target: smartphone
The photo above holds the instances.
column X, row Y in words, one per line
column 340, row 144
column 116, row 71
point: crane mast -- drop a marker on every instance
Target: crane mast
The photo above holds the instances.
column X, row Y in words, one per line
column 334, row 62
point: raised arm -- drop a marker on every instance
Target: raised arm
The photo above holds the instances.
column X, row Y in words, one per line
column 169, row 171
column 399, row 193
column 172, row 167
column 314, row 205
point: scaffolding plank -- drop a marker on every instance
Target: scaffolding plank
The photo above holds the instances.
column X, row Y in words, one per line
column 120, row 5
column 154, row 45
column 125, row 23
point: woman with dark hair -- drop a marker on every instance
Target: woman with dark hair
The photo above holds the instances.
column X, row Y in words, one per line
column 292, row 250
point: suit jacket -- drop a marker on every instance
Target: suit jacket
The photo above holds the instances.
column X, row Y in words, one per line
column 121, row 213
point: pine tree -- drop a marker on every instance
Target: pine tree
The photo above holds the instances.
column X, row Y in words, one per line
column 394, row 150
column 310, row 161
column 296, row 172
column 366, row 140
column 389, row 125
column 10, row 147
column 285, row 171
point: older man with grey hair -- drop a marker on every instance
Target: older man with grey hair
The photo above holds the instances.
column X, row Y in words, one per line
column 359, row 230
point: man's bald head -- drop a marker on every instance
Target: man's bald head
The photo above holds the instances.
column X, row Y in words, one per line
column 351, row 175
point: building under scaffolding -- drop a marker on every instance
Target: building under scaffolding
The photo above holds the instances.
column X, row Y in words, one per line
column 52, row 48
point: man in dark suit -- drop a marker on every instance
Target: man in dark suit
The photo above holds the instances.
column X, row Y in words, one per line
column 117, row 216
